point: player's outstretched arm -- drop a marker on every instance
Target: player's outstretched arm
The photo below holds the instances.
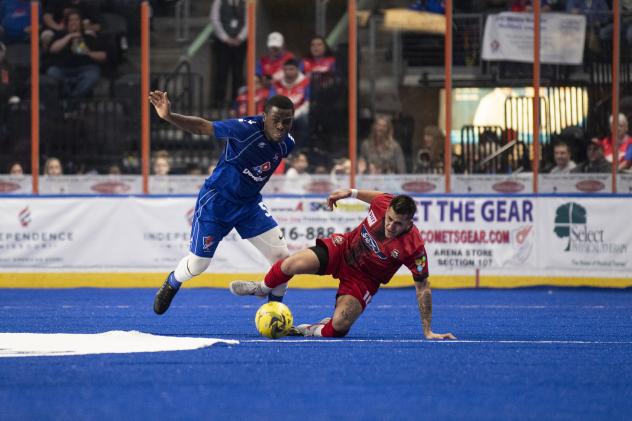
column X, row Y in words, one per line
column 364, row 195
column 424, row 302
column 191, row 124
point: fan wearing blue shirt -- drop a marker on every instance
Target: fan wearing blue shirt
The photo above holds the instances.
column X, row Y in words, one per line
column 230, row 197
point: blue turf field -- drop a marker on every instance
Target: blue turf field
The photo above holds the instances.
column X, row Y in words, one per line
column 522, row 354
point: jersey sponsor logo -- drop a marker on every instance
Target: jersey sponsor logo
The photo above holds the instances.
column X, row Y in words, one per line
column 260, row 169
column 371, row 218
column 395, row 254
column 371, row 243
column 251, row 175
column 338, row 239
column 207, row 242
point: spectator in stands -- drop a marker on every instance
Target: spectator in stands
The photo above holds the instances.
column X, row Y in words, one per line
column 6, row 84
column 432, row 6
column 626, row 163
column 624, row 139
column 161, row 163
column 270, row 65
column 76, row 57
column 52, row 167
column 240, row 107
column 15, row 21
column 342, row 166
column 230, row 32
column 55, row 15
column 295, row 86
column 428, row 158
column 381, row 150
column 114, row 169
column 562, row 156
column 193, row 169
column 596, row 12
column 320, row 58
column 297, row 176
column 596, row 162
column 16, row 169
column 605, row 34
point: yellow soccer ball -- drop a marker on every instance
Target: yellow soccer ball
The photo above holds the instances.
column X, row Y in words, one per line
column 274, row 320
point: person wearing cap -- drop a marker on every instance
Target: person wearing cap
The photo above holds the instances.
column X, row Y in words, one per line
column 295, row 86
column 270, row 65
column 596, row 162
column 230, row 32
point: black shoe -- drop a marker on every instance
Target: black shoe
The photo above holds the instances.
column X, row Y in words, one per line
column 163, row 298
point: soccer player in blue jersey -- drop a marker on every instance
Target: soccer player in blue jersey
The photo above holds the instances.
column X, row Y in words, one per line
column 230, row 197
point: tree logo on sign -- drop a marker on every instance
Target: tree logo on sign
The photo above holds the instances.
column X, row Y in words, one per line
column 565, row 217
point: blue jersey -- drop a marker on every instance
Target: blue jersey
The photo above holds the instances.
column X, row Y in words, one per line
column 248, row 160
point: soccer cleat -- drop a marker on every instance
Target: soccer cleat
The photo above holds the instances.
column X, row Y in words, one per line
column 163, row 298
column 307, row 329
column 243, row 288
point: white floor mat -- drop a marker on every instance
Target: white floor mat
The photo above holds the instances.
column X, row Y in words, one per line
column 112, row 342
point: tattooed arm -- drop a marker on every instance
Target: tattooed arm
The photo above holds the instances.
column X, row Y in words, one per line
column 424, row 302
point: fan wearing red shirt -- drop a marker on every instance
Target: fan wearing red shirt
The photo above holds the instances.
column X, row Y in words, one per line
column 362, row 260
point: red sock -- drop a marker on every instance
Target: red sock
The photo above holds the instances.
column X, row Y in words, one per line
column 275, row 275
column 329, row 331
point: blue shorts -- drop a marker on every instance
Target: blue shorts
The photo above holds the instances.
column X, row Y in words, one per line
column 215, row 217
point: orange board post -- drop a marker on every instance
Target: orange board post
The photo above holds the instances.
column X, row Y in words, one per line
column 353, row 90
column 536, row 93
column 614, row 126
column 144, row 92
column 447, row 151
column 35, row 97
column 251, row 56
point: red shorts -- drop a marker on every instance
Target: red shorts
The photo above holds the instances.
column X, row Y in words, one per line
column 352, row 282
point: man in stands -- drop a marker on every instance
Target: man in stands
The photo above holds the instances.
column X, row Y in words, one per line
column 295, row 86
column 624, row 140
column 362, row 260
column 270, row 65
column 563, row 162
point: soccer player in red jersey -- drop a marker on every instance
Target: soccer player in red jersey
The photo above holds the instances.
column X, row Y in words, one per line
column 362, row 260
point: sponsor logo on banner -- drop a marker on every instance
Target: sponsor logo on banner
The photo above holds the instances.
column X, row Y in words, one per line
column 508, row 186
column 572, row 224
column 111, row 187
column 8, row 186
column 419, row 186
column 318, row 206
column 25, row 217
column 370, row 242
column 590, row 186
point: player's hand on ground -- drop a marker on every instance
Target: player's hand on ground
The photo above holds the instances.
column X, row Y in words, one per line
column 439, row 336
column 161, row 103
column 336, row 196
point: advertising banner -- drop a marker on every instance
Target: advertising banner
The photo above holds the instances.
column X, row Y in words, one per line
column 493, row 183
column 509, row 36
column 575, row 183
column 494, row 235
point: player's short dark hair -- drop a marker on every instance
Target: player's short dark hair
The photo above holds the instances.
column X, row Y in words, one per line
column 280, row 101
column 404, row 205
column 291, row 62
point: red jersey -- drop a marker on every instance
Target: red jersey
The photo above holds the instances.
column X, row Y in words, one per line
column 298, row 92
column 273, row 68
column 606, row 143
column 318, row 65
column 369, row 254
column 241, row 102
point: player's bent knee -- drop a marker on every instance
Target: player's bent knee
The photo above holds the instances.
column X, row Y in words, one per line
column 197, row 264
column 271, row 244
